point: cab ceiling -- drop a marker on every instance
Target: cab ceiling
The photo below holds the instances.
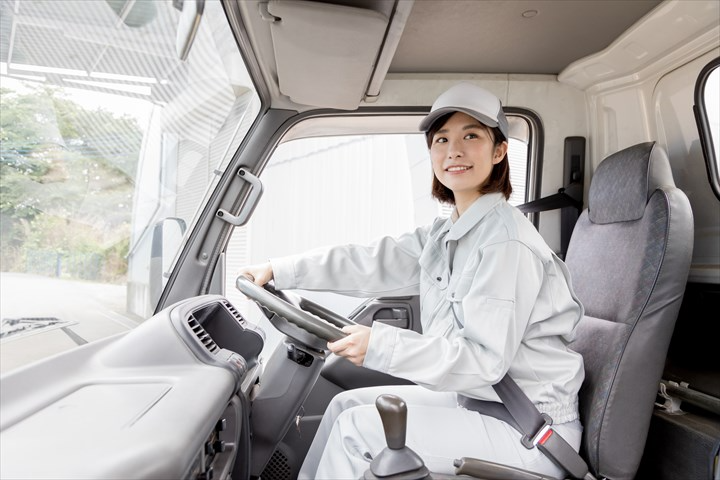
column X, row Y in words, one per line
column 329, row 53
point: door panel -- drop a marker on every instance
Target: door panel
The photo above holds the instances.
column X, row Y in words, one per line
column 402, row 312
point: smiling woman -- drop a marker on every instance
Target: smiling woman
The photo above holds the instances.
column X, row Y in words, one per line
column 485, row 280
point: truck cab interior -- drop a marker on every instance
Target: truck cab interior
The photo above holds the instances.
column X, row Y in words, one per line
column 150, row 149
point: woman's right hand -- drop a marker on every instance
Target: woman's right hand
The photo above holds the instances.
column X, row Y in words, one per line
column 260, row 274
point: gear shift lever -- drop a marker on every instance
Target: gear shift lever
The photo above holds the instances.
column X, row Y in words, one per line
column 396, row 460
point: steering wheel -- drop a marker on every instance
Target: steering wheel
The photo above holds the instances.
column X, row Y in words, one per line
column 296, row 316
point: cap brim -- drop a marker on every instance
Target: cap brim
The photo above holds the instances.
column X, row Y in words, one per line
column 427, row 122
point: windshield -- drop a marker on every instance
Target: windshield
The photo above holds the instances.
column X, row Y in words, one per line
column 110, row 143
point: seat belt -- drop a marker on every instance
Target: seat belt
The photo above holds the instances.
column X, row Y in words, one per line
column 566, row 198
column 569, row 196
column 518, row 411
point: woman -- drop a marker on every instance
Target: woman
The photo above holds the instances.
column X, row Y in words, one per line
column 495, row 300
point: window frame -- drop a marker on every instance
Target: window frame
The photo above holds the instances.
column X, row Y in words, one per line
column 379, row 121
column 536, row 147
column 703, row 124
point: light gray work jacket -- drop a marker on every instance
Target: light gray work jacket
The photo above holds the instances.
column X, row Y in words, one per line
column 495, row 299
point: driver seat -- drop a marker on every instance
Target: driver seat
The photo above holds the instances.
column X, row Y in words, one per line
column 629, row 257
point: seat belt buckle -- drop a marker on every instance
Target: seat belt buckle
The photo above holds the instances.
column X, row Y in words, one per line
column 541, row 435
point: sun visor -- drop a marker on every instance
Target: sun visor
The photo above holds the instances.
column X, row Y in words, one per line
column 325, row 53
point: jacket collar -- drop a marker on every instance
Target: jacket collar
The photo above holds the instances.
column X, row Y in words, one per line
column 463, row 224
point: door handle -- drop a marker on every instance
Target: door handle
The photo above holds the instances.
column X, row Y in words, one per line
column 397, row 317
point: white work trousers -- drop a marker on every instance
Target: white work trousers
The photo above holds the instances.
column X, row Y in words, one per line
column 351, row 434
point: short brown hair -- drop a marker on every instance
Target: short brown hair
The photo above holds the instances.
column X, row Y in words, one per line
column 499, row 179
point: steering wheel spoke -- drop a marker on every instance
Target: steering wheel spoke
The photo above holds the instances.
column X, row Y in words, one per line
column 295, row 316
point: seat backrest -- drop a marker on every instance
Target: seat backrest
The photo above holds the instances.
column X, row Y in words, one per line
column 629, row 257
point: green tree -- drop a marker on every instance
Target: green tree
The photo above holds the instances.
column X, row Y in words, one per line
column 66, row 179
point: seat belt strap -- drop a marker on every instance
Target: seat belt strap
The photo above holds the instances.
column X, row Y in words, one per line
column 517, row 410
column 569, row 200
column 566, row 197
column 525, row 413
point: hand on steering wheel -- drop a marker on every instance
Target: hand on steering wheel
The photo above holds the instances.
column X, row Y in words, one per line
column 260, row 273
column 296, row 316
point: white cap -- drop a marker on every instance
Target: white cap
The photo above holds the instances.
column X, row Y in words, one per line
column 472, row 100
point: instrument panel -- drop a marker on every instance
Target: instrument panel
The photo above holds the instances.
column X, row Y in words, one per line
column 168, row 399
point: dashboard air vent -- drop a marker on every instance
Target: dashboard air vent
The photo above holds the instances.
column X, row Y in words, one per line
column 233, row 311
column 202, row 335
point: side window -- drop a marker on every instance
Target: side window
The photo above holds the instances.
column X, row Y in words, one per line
column 347, row 189
column 707, row 113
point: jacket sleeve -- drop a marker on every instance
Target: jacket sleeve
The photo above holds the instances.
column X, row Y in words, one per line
column 388, row 266
column 497, row 308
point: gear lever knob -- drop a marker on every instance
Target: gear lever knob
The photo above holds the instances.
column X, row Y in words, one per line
column 393, row 413
column 396, row 459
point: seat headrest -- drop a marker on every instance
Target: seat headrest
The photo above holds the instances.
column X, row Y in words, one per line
column 624, row 181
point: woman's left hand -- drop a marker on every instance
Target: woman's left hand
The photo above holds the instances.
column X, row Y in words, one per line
column 354, row 346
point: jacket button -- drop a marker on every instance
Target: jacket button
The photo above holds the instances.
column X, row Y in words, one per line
column 439, row 279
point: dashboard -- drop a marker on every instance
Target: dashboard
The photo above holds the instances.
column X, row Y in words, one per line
column 168, row 399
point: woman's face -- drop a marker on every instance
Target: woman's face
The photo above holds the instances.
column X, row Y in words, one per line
column 463, row 154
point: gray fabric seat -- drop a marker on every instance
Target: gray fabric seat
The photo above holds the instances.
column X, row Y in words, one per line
column 629, row 257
